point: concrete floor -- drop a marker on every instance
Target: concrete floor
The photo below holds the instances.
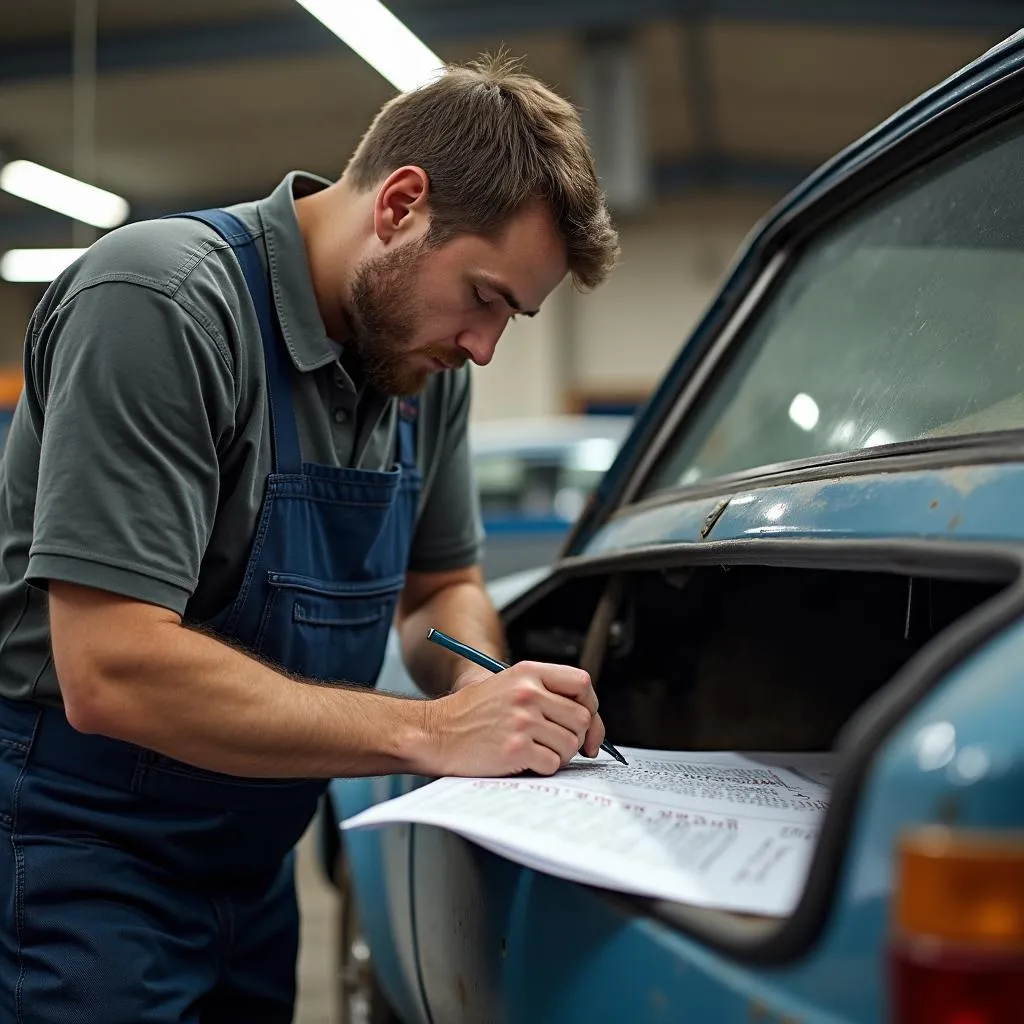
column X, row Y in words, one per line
column 317, row 954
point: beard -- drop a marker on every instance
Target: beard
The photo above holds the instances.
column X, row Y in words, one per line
column 384, row 324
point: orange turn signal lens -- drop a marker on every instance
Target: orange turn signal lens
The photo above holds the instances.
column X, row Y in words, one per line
column 962, row 886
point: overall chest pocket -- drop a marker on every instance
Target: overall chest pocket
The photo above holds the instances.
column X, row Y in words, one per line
column 328, row 630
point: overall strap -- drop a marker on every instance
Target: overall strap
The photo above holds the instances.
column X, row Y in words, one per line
column 285, row 436
column 408, row 413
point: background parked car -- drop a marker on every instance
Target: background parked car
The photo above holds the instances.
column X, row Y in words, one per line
column 534, row 477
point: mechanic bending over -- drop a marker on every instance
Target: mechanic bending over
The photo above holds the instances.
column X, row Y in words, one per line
column 241, row 447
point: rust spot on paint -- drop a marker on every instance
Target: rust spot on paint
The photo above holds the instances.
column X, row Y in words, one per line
column 460, row 987
column 758, row 1011
column 659, row 1000
column 935, row 503
column 954, row 522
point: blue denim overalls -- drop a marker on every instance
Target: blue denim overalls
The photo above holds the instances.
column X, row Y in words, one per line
column 135, row 889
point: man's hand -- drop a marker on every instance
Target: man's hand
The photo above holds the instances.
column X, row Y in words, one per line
column 531, row 717
column 473, row 674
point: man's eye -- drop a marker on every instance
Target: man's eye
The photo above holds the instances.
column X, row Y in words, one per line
column 480, row 300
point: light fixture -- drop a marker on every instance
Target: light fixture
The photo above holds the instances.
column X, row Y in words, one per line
column 804, row 412
column 36, row 264
column 370, row 29
column 62, row 193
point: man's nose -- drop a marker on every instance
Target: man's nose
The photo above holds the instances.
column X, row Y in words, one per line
column 480, row 343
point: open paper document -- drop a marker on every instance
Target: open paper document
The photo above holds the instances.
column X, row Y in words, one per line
column 725, row 830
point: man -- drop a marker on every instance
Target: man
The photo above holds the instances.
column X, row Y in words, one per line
column 240, row 454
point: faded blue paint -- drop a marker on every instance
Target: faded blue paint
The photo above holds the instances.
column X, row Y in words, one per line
column 968, row 502
column 525, row 525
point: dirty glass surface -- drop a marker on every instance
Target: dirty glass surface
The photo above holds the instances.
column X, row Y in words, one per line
column 903, row 320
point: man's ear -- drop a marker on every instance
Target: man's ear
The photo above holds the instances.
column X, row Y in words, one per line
column 400, row 210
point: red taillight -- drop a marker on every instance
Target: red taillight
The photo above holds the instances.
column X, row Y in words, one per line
column 957, row 954
column 945, row 986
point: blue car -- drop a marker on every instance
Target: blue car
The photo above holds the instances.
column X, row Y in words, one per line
column 811, row 540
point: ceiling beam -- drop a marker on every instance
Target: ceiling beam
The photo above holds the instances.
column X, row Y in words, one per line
column 298, row 33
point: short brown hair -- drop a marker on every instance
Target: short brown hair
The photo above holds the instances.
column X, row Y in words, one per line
column 491, row 138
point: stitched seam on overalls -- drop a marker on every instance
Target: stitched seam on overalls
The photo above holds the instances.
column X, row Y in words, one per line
column 139, row 774
column 19, row 881
column 268, row 610
column 231, row 624
column 21, row 748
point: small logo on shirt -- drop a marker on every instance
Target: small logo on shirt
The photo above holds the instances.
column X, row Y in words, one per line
column 408, row 409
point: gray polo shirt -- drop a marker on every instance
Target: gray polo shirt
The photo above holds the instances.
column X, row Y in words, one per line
column 138, row 452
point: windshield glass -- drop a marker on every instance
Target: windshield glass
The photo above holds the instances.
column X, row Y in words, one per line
column 903, row 320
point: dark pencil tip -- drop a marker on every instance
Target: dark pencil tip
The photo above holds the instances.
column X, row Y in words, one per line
column 611, row 750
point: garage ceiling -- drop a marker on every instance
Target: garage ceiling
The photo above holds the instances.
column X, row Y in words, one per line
column 208, row 102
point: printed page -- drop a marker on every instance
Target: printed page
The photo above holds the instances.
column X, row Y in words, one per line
column 726, row 830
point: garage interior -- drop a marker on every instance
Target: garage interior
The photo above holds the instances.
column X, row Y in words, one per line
column 703, row 113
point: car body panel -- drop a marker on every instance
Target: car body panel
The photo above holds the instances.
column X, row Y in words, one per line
column 980, row 502
column 378, row 864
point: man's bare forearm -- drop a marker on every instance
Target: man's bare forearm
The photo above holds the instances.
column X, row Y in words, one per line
column 463, row 610
column 189, row 696
column 131, row 670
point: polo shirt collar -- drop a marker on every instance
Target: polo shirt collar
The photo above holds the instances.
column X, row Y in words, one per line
column 294, row 298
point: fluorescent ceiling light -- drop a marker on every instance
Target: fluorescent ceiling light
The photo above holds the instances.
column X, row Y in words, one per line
column 66, row 195
column 370, row 29
column 36, row 264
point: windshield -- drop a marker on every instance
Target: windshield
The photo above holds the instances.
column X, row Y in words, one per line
column 903, row 320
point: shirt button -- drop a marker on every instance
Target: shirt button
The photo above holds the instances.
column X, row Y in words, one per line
column 341, row 415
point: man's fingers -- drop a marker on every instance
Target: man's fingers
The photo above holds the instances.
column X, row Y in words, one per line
column 543, row 760
column 594, row 738
column 559, row 740
column 565, row 680
column 568, row 714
